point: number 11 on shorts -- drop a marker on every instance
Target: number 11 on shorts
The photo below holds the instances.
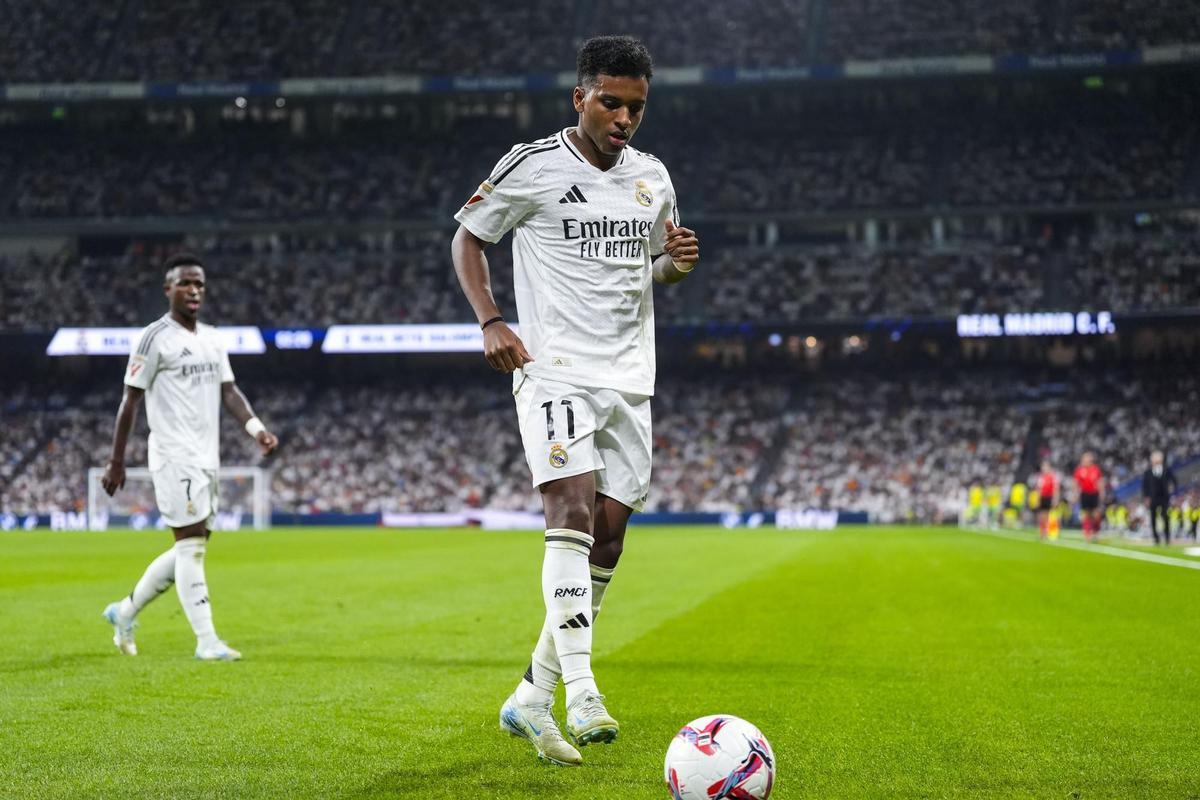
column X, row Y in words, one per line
column 549, row 406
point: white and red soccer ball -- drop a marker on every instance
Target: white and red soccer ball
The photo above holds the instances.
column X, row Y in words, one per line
column 720, row 758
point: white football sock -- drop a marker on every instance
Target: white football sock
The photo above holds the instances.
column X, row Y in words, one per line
column 541, row 678
column 193, row 589
column 157, row 578
column 566, row 584
column 600, row 578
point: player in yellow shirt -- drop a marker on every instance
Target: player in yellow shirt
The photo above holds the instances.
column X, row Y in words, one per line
column 1016, row 502
column 974, row 503
column 995, row 500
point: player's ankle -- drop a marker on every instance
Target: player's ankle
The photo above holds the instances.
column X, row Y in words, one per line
column 529, row 695
column 579, row 688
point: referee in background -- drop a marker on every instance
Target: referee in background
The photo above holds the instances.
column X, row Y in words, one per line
column 1158, row 484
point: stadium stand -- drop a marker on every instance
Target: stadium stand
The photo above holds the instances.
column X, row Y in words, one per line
column 468, row 37
column 889, row 199
column 1123, row 419
column 260, row 39
column 1128, row 269
column 45, row 40
column 354, row 179
column 870, row 29
column 278, row 280
column 228, row 39
column 901, row 448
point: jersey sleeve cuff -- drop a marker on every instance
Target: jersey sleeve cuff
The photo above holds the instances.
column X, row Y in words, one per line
column 473, row 228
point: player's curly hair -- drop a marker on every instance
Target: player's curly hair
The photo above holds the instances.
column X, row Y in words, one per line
column 619, row 56
column 181, row 260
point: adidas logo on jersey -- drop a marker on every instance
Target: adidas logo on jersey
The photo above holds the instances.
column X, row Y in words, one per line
column 573, row 196
column 185, row 353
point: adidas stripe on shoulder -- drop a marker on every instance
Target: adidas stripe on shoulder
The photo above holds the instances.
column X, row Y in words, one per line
column 518, row 155
column 654, row 162
column 148, row 337
column 518, row 149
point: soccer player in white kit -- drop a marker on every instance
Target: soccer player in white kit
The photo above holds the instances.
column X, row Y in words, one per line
column 594, row 221
column 182, row 369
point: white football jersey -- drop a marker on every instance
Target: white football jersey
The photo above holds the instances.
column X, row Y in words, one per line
column 584, row 241
column 181, row 373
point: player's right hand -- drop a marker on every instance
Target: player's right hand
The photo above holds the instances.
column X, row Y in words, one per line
column 113, row 477
column 503, row 349
column 267, row 441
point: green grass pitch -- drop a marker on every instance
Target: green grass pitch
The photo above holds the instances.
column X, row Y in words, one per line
column 880, row 662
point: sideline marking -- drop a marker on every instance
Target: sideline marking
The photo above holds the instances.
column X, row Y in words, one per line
column 1102, row 549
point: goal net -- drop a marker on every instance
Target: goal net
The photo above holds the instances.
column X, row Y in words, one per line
column 244, row 500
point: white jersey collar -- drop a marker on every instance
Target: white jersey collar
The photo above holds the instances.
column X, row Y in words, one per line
column 573, row 150
column 176, row 324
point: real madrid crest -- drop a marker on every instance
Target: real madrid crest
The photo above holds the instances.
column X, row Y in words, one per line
column 558, row 456
column 642, row 193
column 191, row 507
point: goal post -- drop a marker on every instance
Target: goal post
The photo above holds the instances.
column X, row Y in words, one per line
column 245, row 500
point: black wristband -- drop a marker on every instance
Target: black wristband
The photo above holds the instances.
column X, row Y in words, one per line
column 490, row 321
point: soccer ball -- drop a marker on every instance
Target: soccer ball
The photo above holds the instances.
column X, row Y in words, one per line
column 720, row 757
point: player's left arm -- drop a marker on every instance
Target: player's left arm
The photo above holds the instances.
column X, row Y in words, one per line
column 682, row 253
column 236, row 404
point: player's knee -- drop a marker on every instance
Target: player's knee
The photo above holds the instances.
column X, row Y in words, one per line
column 576, row 515
column 612, row 548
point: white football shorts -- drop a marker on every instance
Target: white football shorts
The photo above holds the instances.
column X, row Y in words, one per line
column 569, row 430
column 185, row 494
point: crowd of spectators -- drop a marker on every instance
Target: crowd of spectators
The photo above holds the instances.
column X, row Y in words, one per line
column 873, row 29
column 24, row 410
column 406, row 277
column 857, row 281
column 1116, row 25
column 230, row 40
column 52, row 41
column 239, row 180
column 225, row 40
column 1069, row 164
column 714, row 443
column 51, row 437
column 1151, row 269
column 461, row 37
column 294, row 282
column 444, row 448
column 747, row 34
column 252, row 178
column 1122, row 419
column 898, row 448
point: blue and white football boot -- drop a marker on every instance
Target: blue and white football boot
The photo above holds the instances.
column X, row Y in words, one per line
column 588, row 721
column 536, row 723
column 217, row 652
column 122, row 629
